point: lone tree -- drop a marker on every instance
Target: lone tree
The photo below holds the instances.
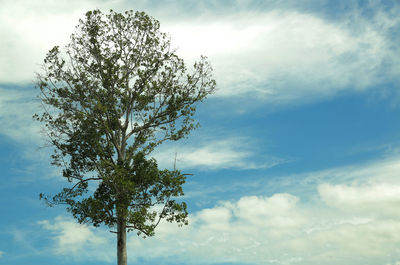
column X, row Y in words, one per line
column 113, row 94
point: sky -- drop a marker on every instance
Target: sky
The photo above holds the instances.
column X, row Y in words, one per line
column 297, row 160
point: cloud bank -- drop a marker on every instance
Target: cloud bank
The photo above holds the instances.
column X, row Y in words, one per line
column 347, row 223
column 255, row 230
column 268, row 55
column 277, row 56
column 289, row 57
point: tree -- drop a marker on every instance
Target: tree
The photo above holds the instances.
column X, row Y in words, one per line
column 109, row 98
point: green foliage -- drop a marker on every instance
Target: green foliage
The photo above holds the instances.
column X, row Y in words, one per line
column 109, row 98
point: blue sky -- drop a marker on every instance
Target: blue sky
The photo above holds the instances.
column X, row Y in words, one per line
column 297, row 160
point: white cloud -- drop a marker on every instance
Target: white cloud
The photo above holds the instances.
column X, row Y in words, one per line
column 211, row 155
column 280, row 57
column 352, row 220
column 71, row 238
column 284, row 56
column 255, row 230
column 379, row 174
column 366, row 198
column 371, row 172
column 16, row 109
column 230, row 152
column 29, row 29
column 17, row 106
column 276, row 230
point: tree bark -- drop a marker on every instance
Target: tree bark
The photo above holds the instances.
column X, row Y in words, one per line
column 121, row 243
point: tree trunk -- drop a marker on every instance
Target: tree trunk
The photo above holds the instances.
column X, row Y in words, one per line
column 121, row 243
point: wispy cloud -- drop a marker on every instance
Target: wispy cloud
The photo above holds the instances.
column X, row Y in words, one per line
column 286, row 56
column 16, row 109
column 282, row 57
column 228, row 152
column 17, row 105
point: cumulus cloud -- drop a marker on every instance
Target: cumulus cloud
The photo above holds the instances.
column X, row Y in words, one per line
column 352, row 218
column 366, row 198
column 259, row 230
column 71, row 238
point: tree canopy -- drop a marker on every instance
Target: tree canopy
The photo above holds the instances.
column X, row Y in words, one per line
column 109, row 98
